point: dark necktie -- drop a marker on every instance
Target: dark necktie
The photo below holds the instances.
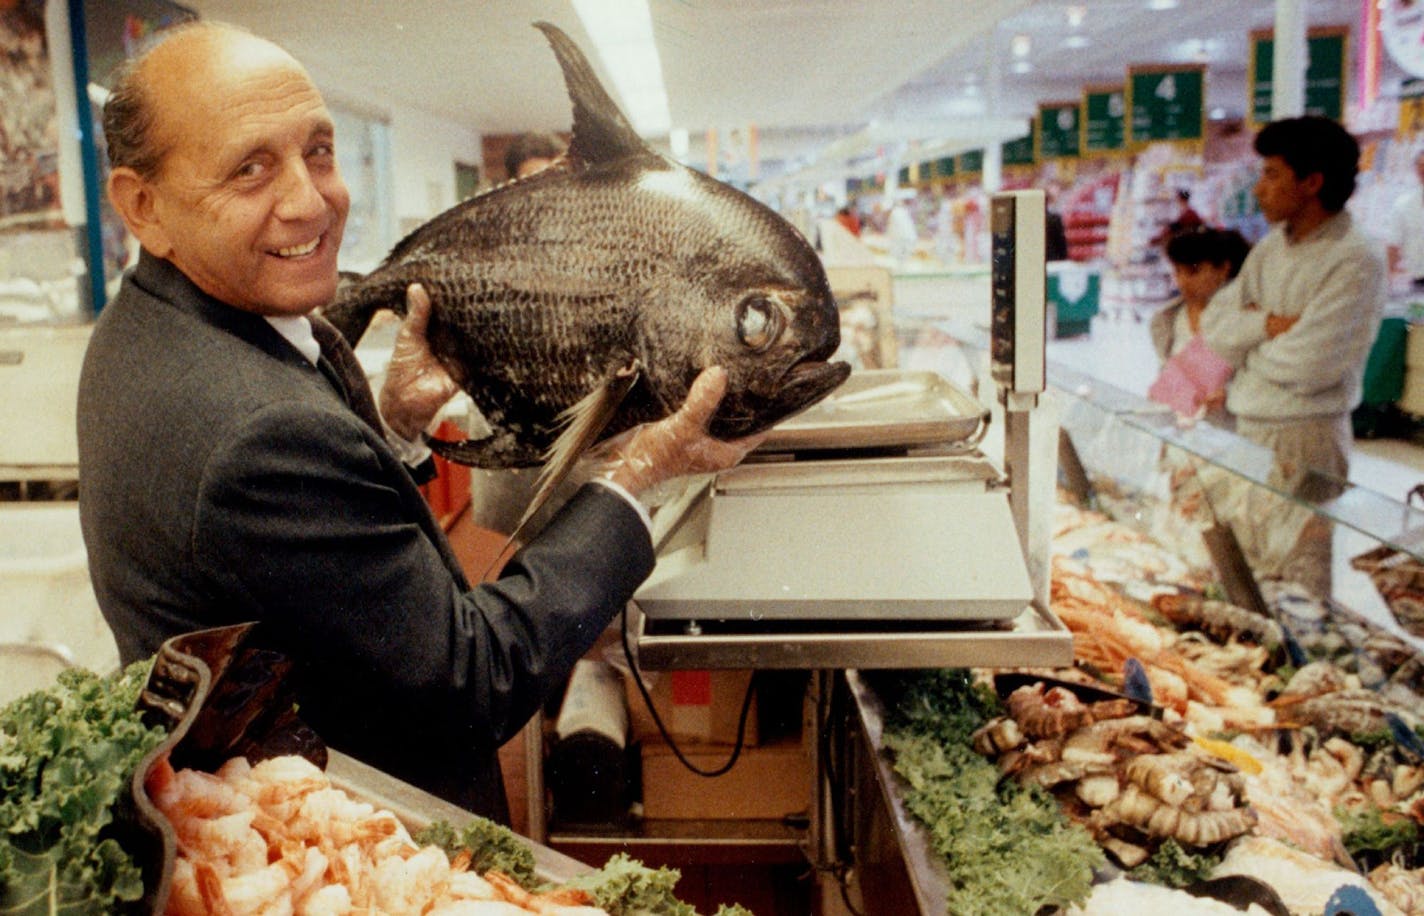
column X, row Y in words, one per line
column 344, row 371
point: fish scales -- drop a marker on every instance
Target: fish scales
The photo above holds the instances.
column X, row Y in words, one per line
column 615, row 260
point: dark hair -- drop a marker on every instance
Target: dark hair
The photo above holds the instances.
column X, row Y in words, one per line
column 128, row 116
column 1207, row 245
column 1313, row 145
column 531, row 146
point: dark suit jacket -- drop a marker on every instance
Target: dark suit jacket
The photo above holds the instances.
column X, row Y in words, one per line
column 223, row 479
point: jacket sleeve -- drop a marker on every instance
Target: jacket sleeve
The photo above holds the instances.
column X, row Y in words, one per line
column 299, row 522
column 1333, row 335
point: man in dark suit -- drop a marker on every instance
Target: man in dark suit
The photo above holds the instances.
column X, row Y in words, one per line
column 230, row 473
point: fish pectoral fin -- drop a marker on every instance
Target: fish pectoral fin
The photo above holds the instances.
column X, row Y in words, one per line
column 583, row 423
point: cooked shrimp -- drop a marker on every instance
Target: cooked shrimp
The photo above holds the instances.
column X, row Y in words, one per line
column 466, row 885
column 310, row 879
column 258, row 891
column 331, row 900
column 479, row 908
column 283, row 782
column 184, row 897
column 405, row 885
column 225, row 838
column 190, row 793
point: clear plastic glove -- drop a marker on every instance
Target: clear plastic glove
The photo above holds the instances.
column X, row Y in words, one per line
column 416, row 385
column 679, row 444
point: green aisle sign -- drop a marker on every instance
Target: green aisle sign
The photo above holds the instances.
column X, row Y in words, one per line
column 1324, row 73
column 1018, row 152
column 971, row 163
column 1166, row 103
column 1057, row 130
column 1104, row 120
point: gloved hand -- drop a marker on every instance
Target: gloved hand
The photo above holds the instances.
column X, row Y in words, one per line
column 679, row 444
column 416, row 385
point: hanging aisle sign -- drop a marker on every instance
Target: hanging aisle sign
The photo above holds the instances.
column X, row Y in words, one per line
column 1324, row 73
column 1104, row 120
column 971, row 163
column 1057, row 131
column 1018, row 152
column 1166, row 102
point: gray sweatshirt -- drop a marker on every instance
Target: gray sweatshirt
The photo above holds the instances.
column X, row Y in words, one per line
column 1334, row 279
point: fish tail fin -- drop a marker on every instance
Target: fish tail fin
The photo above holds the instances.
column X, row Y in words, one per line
column 584, row 422
column 600, row 132
column 357, row 302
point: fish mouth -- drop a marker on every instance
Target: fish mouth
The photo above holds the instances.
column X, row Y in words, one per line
column 803, row 384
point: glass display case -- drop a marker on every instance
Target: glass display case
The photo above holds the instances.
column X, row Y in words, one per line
column 1202, row 491
column 1152, row 516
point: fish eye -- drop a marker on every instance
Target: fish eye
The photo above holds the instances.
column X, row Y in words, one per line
column 758, row 322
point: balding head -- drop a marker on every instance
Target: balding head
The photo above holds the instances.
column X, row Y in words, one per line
column 172, row 71
column 224, row 163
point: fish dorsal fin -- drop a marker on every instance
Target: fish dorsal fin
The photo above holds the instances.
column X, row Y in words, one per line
column 601, row 133
column 583, row 423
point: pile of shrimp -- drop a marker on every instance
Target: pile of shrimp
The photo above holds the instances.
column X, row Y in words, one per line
column 1109, row 628
column 277, row 839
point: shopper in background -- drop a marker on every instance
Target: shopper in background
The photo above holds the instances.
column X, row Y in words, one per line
column 530, row 153
column 1187, row 216
column 847, row 218
column 1193, row 379
column 1406, row 232
column 1203, row 260
column 227, row 476
column 1298, row 324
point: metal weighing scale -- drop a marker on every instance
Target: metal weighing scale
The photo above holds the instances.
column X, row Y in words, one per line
column 871, row 531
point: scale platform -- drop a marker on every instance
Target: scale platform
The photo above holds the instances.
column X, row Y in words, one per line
column 867, row 532
column 913, row 538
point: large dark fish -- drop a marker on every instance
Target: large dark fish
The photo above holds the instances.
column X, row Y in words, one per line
column 583, row 300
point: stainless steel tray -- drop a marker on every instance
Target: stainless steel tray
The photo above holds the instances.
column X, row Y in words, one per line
column 418, row 809
column 884, row 408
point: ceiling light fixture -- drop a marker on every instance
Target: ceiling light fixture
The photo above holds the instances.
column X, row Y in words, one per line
column 622, row 33
column 1076, row 41
column 1021, row 45
column 1022, row 66
column 1076, row 14
column 1162, row 4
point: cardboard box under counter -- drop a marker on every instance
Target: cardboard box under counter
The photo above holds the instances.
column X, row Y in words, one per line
column 767, row 782
column 694, row 705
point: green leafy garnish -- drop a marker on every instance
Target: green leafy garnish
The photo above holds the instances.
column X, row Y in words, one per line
column 492, row 847
column 1373, row 833
column 623, row 886
column 1172, row 866
column 67, row 755
column 1006, row 849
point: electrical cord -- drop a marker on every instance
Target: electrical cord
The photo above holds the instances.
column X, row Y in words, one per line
column 662, row 729
column 840, row 872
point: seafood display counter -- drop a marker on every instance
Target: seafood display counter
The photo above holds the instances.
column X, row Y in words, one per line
column 1250, row 640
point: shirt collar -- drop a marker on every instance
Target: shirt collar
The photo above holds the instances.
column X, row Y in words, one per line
column 297, row 331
